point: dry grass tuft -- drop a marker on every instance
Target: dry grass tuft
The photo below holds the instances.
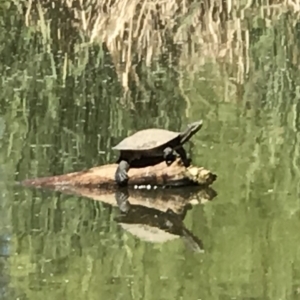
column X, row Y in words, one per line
column 142, row 30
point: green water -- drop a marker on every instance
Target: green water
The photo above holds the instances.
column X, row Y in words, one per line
column 56, row 246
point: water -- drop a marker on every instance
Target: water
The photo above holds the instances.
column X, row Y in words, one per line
column 59, row 246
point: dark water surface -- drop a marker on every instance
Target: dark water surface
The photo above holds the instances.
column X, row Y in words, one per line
column 57, row 246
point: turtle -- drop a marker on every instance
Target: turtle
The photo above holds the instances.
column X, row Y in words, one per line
column 152, row 143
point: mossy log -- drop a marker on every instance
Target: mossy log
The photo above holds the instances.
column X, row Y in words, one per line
column 103, row 176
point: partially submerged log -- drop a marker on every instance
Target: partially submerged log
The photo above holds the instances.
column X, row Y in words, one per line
column 155, row 216
column 103, row 176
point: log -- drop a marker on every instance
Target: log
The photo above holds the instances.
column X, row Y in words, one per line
column 154, row 215
column 148, row 177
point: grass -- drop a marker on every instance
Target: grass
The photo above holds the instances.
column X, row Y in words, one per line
column 144, row 31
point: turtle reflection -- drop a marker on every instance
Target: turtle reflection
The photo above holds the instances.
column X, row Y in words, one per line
column 152, row 225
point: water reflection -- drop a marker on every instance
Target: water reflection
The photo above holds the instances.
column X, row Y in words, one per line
column 5, row 252
column 91, row 244
column 6, row 291
column 153, row 225
column 63, row 111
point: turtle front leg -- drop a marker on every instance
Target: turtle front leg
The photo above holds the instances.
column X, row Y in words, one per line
column 121, row 175
column 169, row 156
column 183, row 156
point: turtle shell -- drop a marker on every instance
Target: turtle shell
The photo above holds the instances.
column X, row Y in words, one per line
column 147, row 139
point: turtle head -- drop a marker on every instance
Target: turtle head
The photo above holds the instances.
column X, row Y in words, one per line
column 190, row 131
column 196, row 126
